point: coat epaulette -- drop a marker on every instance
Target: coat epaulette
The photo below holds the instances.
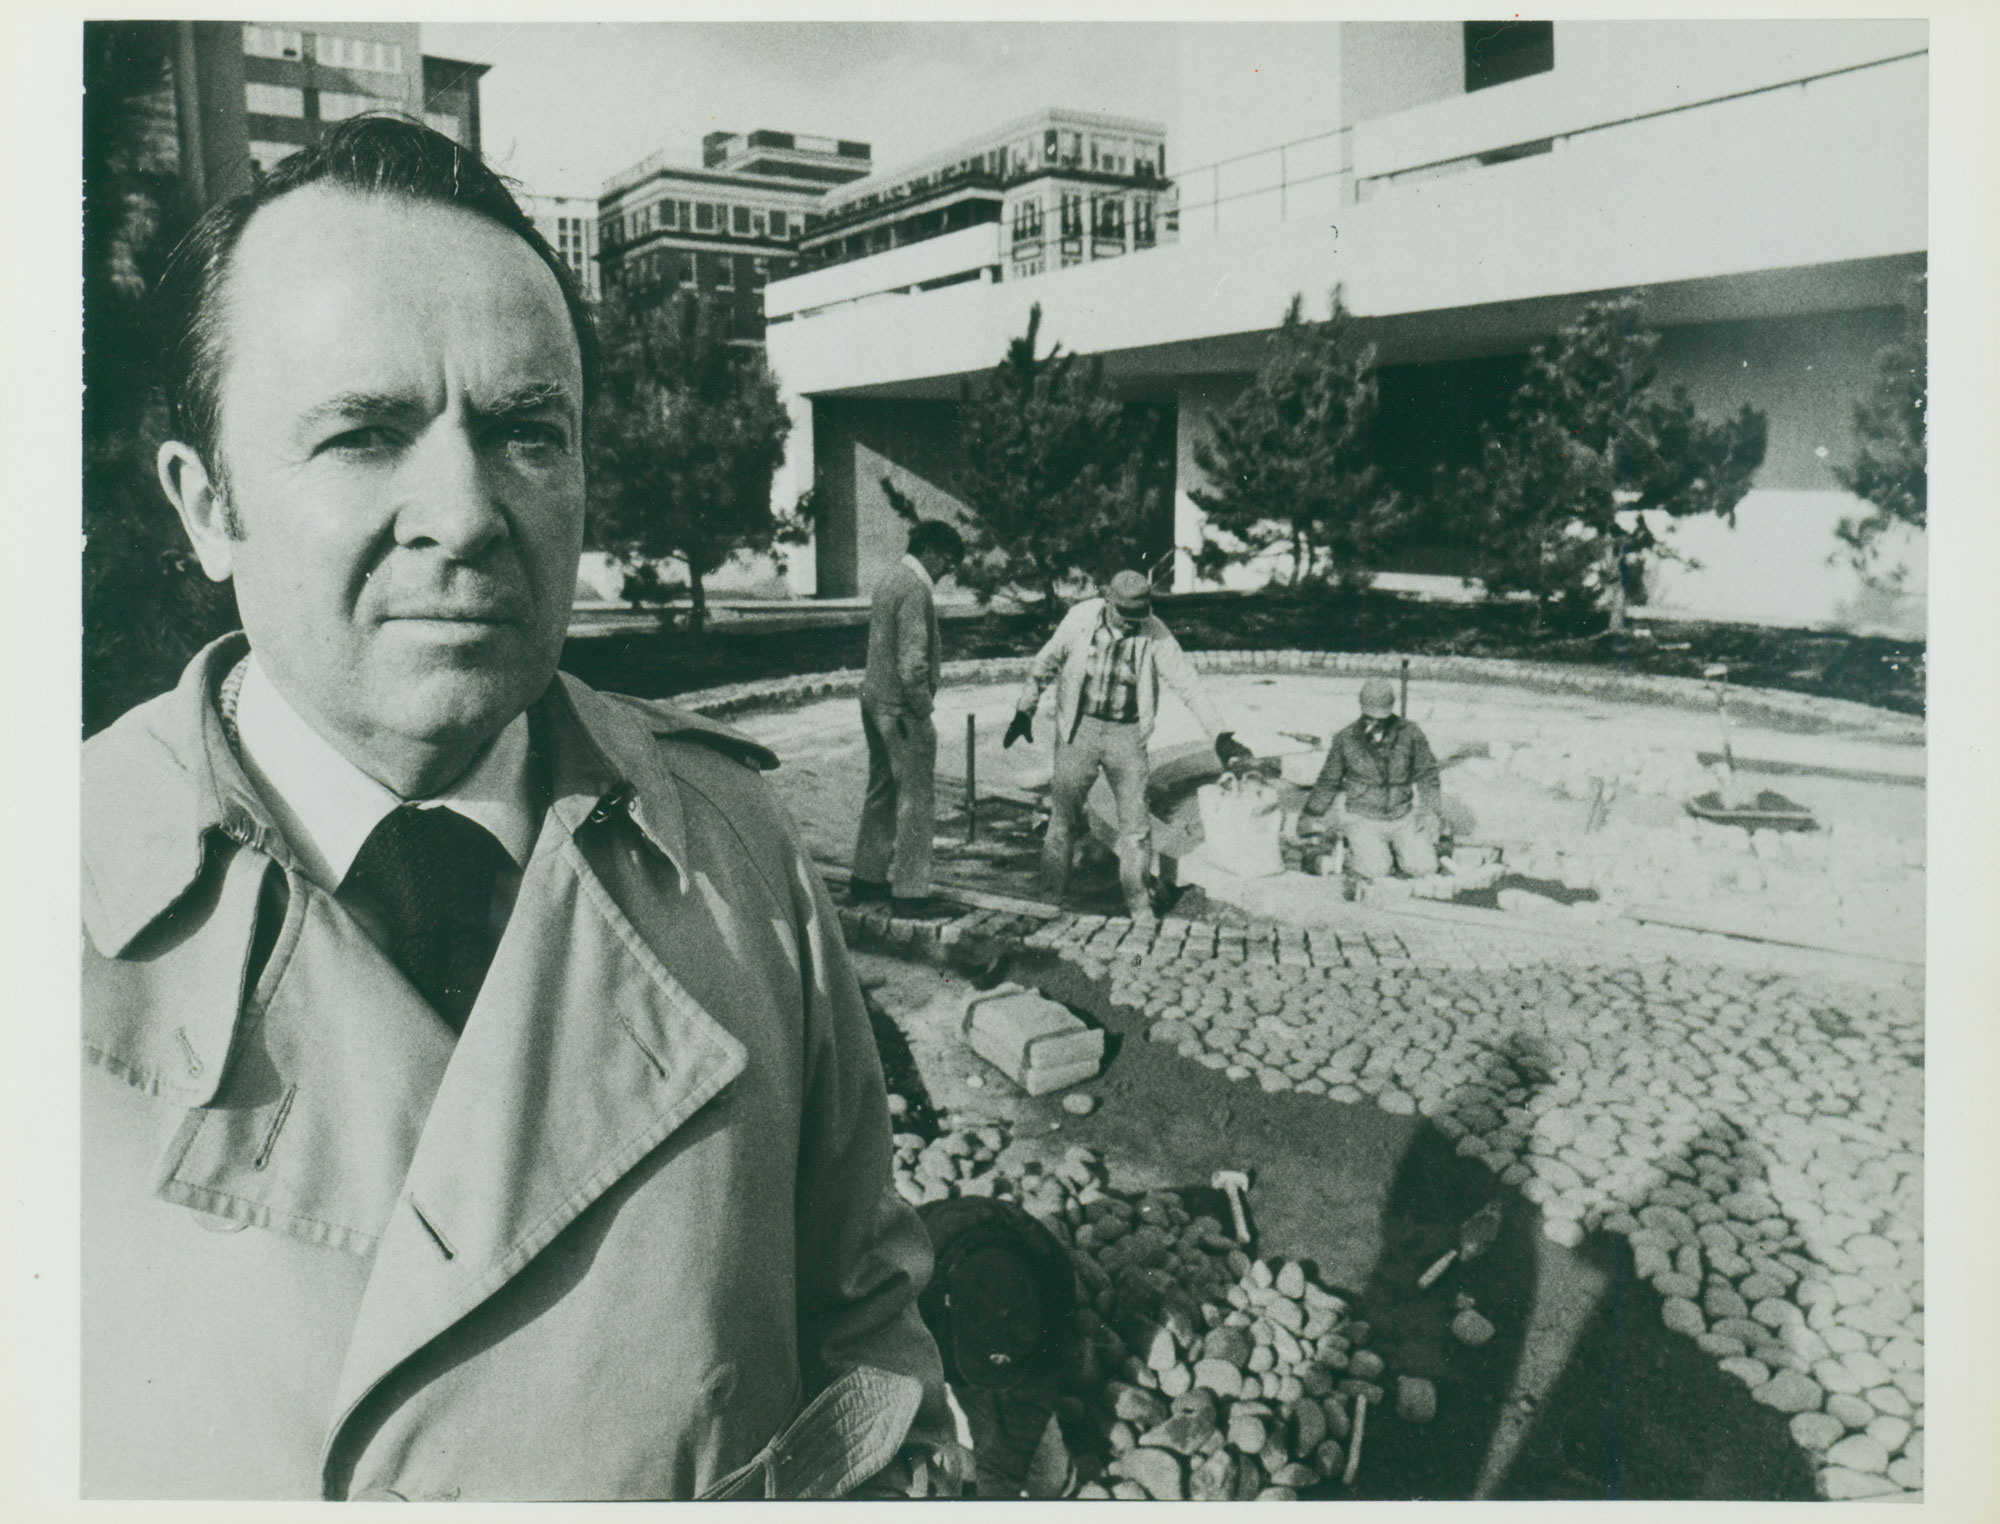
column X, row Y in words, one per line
column 671, row 722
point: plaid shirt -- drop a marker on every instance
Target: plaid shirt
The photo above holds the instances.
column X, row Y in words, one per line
column 1111, row 678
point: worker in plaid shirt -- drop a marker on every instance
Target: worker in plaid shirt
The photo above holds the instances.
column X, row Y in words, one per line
column 1107, row 659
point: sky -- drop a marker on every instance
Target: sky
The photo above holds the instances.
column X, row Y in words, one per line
column 567, row 105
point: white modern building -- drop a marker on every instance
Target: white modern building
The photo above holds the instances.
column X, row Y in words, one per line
column 1469, row 190
column 570, row 225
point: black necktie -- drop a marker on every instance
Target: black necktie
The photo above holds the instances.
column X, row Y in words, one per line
column 432, row 873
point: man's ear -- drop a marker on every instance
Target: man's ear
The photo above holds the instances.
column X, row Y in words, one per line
column 199, row 502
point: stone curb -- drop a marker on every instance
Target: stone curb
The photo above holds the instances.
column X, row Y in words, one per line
column 1549, row 677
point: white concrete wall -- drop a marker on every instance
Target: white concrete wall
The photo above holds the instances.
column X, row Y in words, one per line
column 1781, row 564
column 1608, row 70
column 896, row 270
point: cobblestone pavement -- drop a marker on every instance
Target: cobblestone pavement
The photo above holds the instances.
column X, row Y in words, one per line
column 1748, row 1117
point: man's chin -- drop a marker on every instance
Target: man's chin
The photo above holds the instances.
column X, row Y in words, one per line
column 465, row 685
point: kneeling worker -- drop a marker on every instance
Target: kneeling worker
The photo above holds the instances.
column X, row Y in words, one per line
column 1383, row 766
column 1109, row 655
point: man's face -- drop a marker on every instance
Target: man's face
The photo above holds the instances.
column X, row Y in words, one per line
column 1125, row 621
column 401, row 443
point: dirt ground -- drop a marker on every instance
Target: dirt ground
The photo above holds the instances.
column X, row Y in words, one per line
column 1583, row 1394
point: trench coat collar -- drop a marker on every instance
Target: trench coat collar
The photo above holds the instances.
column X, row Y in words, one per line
column 157, row 786
column 164, row 780
column 164, row 793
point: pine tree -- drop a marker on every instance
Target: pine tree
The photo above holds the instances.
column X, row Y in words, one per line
column 1053, row 473
column 687, row 431
column 1287, row 459
column 1889, row 468
column 1557, row 506
column 146, row 605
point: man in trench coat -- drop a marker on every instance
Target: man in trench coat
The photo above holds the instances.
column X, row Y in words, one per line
column 478, row 1101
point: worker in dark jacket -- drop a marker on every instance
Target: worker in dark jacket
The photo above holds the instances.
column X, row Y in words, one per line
column 1002, row 1304
column 892, row 848
column 1382, row 770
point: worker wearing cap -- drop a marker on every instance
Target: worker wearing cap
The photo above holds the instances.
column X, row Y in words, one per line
column 1383, row 767
column 1107, row 659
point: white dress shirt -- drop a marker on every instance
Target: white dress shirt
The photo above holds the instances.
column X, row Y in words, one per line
column 326, row 806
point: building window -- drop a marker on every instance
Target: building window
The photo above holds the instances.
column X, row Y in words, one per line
column 1107, row 217
column 1142, row 221
column 358, row 53
column 273, row 42
column 739, row 221
column 1072, row 214
column 781, row 226
column 338, row 105
column 687, row 268
column 268, row 156
column 274, row 100
column 725, row 273
column 667, row 217
column 1027, row 220
column 757, row 224
column 760, row 272
column 704, row 216
column 1499, row 51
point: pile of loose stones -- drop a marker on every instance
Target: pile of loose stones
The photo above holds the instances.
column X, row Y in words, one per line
column 1208, row 1375
column 1756, row 1137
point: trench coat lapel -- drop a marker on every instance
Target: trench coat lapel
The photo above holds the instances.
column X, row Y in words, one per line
column 581, row 1055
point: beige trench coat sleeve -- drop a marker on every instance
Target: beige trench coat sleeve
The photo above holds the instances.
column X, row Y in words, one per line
column 863, row 1254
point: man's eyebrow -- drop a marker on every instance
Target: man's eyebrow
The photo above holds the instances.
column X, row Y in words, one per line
column 359, row 404
column 534, row 398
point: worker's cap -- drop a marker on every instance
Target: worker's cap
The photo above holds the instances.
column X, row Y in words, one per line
column 1131, row 594
column 1378, row 698
column 999, row 1326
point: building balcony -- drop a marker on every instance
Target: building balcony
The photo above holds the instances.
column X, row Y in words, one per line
column 1792, row 195
column 912, row 267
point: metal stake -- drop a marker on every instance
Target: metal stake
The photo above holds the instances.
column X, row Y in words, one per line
column 1406, row 688
column 971, row 779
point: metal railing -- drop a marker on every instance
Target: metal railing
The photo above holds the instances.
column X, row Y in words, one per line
column 1281, row 157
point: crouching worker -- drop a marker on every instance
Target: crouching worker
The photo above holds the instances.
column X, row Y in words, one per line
column 1382, row 770
column 1001, row 1304
column 1107, row 659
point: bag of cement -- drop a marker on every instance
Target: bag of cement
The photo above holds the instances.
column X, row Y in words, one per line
column 1239, row 826
column 1036, row 1043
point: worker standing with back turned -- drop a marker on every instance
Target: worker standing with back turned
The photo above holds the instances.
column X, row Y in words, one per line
column 892, row 848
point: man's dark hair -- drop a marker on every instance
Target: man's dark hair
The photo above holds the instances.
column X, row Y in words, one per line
column 937, row 537
column 379, row 154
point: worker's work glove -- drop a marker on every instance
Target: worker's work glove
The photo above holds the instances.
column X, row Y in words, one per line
column 1230, row 752
column 1021, row 729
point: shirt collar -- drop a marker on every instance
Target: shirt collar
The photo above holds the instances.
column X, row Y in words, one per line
column 920, row 569
column 326, row 806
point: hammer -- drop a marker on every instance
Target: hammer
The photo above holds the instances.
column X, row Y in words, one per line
column 1233, row 1183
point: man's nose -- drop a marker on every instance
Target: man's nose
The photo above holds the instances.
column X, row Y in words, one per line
column 446, row 497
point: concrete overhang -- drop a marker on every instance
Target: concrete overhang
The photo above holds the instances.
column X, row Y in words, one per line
column 1151, row 371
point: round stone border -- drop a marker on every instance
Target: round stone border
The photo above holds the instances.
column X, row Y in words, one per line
column 1762, row 704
